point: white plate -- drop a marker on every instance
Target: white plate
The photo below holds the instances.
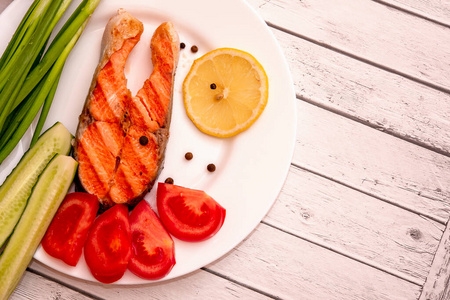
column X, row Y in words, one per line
column 251, row 167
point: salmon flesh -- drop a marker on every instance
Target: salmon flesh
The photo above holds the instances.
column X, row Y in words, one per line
column 121, row 138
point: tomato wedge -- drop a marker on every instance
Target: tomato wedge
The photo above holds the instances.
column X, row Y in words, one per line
column 108, row 247
column 152, row 248
column 68, row 231
column 188, row 214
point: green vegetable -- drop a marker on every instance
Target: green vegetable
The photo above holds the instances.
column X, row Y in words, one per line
column 55, row 73
column 42, row 95
column 15, row 71
column 17, row 187
column 70, row 28
column 17, row 35
column 43, row 203
column 34, row 80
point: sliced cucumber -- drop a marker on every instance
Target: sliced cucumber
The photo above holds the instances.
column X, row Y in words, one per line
column 43, row 203
column 18, row 185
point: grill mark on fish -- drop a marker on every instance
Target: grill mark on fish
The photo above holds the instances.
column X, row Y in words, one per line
column 101, row 146
column 121, row 170
column 111, row 95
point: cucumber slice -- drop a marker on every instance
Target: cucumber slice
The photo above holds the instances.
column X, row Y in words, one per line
column 43, row 203
column 17, row 187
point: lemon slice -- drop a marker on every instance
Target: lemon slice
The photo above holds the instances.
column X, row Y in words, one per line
column 225, row 91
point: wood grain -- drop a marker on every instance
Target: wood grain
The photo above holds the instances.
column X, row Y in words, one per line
column 290, row 268
column 436, row 11
column 356, row 225
column 437, row 286
column 197, row 285
column 373, row 162
column 377, row 34
column 34, row 287
column 370, row 95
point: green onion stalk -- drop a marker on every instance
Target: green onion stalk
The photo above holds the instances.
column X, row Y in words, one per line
column 32, row 85
column 16, row 69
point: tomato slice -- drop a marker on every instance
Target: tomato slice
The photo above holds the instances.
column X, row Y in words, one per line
column 68, row 231
column 108, row 247
column 188, row 214
column 152, row 248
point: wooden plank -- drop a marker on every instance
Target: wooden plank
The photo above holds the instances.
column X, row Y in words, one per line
column 368, row 94
column 197, row 285
column 34, row 287
column 416, row 46
column 290, row 268
column 373, row 162
column 434, row 10
column 356, row 225
column 437, row 286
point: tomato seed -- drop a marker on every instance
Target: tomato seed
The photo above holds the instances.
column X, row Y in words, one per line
column 169, row 180
column 211, row 167
column 188, row 156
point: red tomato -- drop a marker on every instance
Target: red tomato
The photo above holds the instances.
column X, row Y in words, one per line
column 67, row 233
column 189, row 215
column 107, row 250
column 152, row 248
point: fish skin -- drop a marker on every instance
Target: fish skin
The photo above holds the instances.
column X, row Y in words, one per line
column 113, row 164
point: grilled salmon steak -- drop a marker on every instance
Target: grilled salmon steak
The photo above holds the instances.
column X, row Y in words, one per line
column 121, row 138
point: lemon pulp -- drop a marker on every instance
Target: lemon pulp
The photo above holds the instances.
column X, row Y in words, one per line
column 225, row 91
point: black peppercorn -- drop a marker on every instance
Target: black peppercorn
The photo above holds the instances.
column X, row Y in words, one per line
column 213, row 86
column 211, row 167
column 188, row 156
column 143, row 140
column 169, row 180
column 182, row 45
column 194, row 49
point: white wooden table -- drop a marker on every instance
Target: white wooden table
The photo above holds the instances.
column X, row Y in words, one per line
column 363, row 213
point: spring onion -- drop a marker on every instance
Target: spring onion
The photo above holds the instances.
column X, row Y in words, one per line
column 37, row 70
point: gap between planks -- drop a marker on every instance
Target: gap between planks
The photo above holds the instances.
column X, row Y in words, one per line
column 374, row 126
column 351, row 256
column 361, row 59
column 239, row 283
column 436, row 286
column 407, row 138
column 415, row 13
column 337, row 250
column 74, row 288
column 438, row 220
column 351, row 88
column 83, row 292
